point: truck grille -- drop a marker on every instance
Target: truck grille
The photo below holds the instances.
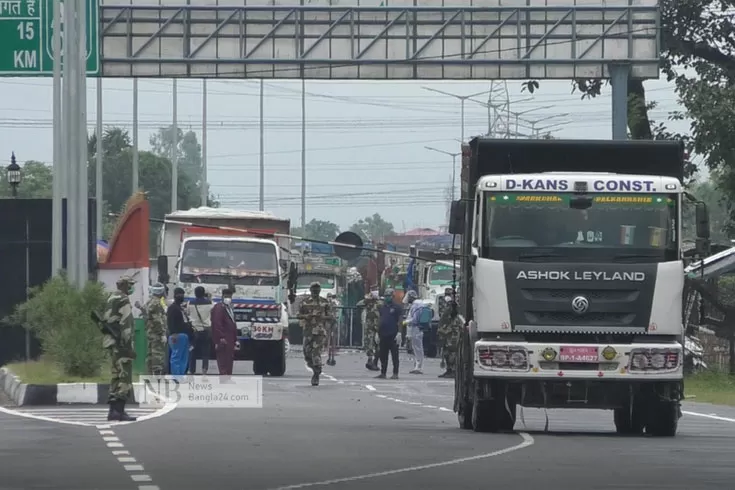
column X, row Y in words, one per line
column 563, row 318
column 566, row 294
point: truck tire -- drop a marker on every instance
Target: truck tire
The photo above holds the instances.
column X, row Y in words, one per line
column 278, row 360
column 260, row 367
column 630, row 420
column 663, row 419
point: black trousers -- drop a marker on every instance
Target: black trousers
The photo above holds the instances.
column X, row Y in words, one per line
column 202, row 342
column 388, row 345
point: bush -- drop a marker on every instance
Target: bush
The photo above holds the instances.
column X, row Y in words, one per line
column 59, row 315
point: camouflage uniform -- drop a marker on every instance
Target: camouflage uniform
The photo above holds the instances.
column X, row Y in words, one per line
column 315, row 313
column 118, row 339
column 154, row 312
column 370, row 330
column 450, row 327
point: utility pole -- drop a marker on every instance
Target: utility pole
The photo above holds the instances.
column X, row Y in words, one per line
column 70, row 108
column 205, row 182
column 59, row 175
column 174, row 156
column 303, row 154
column 262, row 150
column 98, row 193
column 454, row 165
column 462, row 99
column 82, row 153
column 136, row 169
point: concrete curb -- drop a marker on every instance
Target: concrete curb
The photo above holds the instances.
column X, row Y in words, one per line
column 23, row 394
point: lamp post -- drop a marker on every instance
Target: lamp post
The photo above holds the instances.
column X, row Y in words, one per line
column 462, row 99
column 14, row 175
column 454, row 164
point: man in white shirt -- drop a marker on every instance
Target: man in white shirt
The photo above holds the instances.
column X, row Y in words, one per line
column 200, row 313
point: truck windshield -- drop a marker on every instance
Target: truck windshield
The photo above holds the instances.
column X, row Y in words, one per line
column 440, row 275
column 236, row 262
column 305, row 280
column 616, row 227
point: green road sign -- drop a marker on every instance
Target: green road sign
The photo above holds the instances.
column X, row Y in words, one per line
column 26, row 37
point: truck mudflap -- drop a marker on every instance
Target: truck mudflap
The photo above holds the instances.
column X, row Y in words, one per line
column 630, row 362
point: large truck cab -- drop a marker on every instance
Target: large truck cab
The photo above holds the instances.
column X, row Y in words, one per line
column 572, row 281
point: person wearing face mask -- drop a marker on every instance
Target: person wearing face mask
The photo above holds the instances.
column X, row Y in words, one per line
column 390, row 318
column 118, row 339
column 450, row 327
column 418, row 321
column 224, row 333
column 315, row 313
column 200, row 312
column 154, row 314
column 178, row 340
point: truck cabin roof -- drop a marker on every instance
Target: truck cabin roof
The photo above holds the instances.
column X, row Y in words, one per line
column 650, row 158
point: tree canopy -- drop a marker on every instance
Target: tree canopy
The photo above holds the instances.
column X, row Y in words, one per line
column 373, row 228
column 318, row 230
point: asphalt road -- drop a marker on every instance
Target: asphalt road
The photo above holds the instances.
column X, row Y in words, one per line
column 357, row 432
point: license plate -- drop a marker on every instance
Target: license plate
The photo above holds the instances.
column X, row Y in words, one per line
column 578, row 354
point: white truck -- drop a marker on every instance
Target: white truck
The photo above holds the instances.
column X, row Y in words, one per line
column 198, row 249
column 572, row 281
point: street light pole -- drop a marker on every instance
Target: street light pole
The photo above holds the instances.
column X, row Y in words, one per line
column 14, row 177
column 454, row 164
column 462, row 99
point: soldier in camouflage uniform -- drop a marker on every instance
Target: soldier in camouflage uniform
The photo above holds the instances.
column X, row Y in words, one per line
column 154, row 312
column 450, row 327
column 370, row 330
column 118, row 339
column 314, row 316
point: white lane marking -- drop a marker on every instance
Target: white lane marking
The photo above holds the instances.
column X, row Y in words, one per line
column 110, row 439
column 84, row 417
column 126, row 459
column 527, row 441
column 133, row 467
column 370, row 387
column 106, row 432
column 141, row 478
column 115, row 444
column 708, row 416
column 149, row 487
column 120, row 453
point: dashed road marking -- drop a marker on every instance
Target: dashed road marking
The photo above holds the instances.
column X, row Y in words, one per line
column 123, row 456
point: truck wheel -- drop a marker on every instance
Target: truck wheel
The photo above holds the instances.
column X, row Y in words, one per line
column 663, row 419
column 629, row 422
column 462, row 380
column 278, row 360
column 483, row 414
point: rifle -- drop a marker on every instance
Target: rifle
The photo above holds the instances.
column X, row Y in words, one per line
column 106, row 330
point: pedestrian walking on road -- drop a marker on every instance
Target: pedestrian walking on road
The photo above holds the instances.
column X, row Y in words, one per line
column 224, row 333
column 154, row 314
column 418, row 320
column 178, row 330
column 118, row 339
column 315, row 313
column 200, row 312
column 390, row 319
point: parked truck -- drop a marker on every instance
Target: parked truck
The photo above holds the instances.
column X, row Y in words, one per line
column 571, row 281
column 207, row 247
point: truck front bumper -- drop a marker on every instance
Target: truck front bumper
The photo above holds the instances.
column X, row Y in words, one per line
column 611, row 362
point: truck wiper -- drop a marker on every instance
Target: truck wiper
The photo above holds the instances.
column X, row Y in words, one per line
column 539, row 256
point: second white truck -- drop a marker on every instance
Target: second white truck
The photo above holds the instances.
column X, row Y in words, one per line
column 197, row 249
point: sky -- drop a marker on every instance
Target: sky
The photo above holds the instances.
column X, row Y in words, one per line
column 365, row 141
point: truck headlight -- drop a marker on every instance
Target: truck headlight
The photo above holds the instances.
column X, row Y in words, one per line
column 503, row 357
column 654, row 359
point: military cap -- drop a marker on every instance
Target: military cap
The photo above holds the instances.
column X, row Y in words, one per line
column 315, row 284
column 125, row 280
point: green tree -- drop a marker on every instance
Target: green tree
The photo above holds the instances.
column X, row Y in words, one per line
column 37, row 181
column 189, row 151
column 373, row 228
column 318, row 230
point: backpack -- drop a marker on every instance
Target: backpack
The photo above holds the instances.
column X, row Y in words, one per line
column 426, row 314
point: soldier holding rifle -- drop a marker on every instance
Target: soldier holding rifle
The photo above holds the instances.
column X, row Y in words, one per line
column 314, row 315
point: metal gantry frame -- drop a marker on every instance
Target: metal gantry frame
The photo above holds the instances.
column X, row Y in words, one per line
column 396, row 42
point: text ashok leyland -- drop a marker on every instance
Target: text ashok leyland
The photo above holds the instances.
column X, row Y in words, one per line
column 581, row 276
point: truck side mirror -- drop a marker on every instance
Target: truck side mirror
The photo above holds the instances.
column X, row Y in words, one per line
column 163, row 276
column 292, row 276
column 702, row 217
column 456, row 217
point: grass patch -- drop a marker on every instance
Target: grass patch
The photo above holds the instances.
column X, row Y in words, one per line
column 44, row 372
column 711, row 387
